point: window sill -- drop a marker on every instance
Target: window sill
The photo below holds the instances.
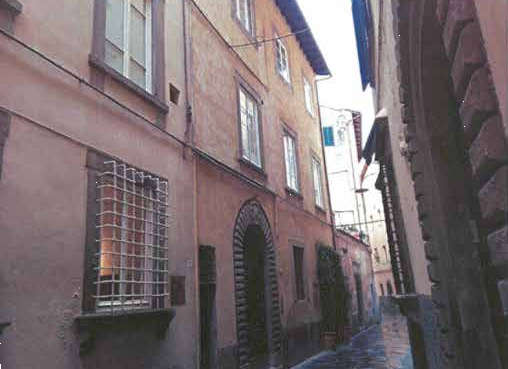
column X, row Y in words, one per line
column 293, row 193
column 319, row 209
column 3, row 325
column 250, row 36
column 97, row 63
column 284, row 80
column 252, row 166
column 15, row 7
column 90, row 325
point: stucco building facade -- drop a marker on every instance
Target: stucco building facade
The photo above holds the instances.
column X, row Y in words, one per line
column 438, row 69
column 160, row 205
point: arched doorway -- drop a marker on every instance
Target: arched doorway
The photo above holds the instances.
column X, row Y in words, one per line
column 444, row 187
column 258, row 321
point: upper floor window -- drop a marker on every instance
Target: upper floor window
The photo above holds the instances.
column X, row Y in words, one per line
column 128, row 39
column 318, row 182
column 131, row 255
column 249, row 128
column 282, row 59
column 243, row 14
column 309, row 99
column 290, row 157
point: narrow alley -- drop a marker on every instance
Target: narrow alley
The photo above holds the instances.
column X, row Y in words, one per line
column 382, row 346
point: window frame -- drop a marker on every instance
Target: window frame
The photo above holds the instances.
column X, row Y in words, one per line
column 299, row 280
column 251, row 31
column 95, row 164
column 286, row 132
column 100, row 69
column 309, row 104
column 279, row 42
column 5, row 123
column 242, row 87
column 127, row 56
column 315, row 160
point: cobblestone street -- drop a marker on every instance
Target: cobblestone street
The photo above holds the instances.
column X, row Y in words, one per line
column 384, row 346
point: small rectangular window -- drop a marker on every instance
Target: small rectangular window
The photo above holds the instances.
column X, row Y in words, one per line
column 129, row 39
column 282, row 59
column 290, row 157
column 328, row 136
column 249, row 127
column 318, row 183
column 309, row 99
column 298, row 255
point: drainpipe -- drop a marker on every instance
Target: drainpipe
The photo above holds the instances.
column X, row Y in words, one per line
column 189, row 141
column 187, row 43
column 332, row 218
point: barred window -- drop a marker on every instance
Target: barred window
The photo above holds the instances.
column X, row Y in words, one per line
column 132, row 229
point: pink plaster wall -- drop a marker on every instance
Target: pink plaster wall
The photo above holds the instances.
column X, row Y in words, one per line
column 43, row 191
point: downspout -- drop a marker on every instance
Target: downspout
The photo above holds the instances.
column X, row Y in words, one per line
column 332, row 218
column 189, row 142
column 187, row 40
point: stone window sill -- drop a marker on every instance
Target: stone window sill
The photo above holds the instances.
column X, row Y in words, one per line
column 3, row 325
column 97, row 63
column 293, row 193
column 321, row 210
column 90, row 325
column 252, row 166
column 13, row 6
column 250, row 35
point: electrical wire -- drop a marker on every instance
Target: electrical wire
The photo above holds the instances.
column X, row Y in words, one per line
column 353, row 224
column 264, row 41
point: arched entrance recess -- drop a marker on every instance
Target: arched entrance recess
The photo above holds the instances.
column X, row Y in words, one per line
column 256, row 290
column 441, row 121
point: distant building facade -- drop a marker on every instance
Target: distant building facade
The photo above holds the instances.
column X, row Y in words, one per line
column 438, row 69
column 359, row 214
column 357, row 264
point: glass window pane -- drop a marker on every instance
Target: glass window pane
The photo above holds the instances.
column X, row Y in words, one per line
column 114, row 57
column 243, row 103
column 246, row 21
column 137, row 73
column 115, row 22
column 257, row 139
column 138, row 36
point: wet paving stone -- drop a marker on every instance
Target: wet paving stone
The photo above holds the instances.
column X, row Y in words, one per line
column 383, row 346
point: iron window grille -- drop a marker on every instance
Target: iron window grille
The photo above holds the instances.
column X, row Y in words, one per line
column 132, row 230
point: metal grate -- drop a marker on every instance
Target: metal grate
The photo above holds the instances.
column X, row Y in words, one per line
column 132, row 226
